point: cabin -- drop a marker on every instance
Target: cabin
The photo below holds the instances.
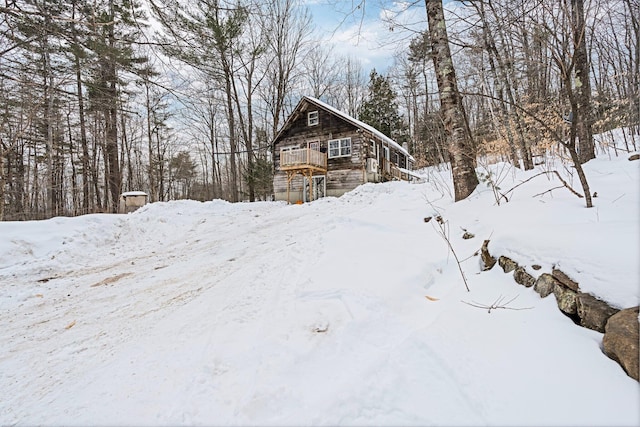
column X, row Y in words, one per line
column 321, row 151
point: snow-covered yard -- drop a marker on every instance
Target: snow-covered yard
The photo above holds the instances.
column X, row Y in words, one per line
column 273, row 314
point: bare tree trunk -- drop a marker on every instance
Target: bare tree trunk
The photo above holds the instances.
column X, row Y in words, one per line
column 74, row 175
column 490, row 48
column 216, row 192
column 160, row 168
column 582, row 114
column 48, row 121
column 2, row 179
column 111, row 118
column 151, row 171
column 215, row 160
column 462, row 152
column 506, row 84
column 86, row 175
column 247, row 125
column 95, row 171
column 126, row 152
column 575, row 157
column 233, row 185
column 36, row 193
column 634, row 66
column 111, row 154
column 21, row 195
column 86, row 170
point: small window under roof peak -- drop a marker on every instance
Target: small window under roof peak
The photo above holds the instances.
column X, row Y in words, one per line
column 313, row 118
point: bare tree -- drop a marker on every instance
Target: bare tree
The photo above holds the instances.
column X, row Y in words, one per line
column 321, row 71
column 192, row 34
column 250, row 52
column 582, row 114
column 498, row 59
column 355, row 85
column 461, row 147
column 290, row 27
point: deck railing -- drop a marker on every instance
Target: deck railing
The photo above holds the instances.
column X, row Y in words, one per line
column 392, row 171
column 302, row 157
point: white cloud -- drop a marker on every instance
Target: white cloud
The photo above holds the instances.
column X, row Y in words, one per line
column 373, row 34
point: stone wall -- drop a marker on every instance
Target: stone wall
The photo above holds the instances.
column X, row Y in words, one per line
column 620, row 327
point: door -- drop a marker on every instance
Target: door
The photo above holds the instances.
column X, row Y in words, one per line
column 314, row 145
column 318, row 190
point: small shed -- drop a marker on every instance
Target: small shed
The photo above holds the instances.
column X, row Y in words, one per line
column 132, row 200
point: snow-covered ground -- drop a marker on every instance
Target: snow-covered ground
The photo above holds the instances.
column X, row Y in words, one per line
column 273, row 314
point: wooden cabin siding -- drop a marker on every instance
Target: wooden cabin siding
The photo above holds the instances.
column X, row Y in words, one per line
column 280, row 187
column 343, row 174
column 300, row 133
column 344, row 180
column 346, row 173
column 330, row 127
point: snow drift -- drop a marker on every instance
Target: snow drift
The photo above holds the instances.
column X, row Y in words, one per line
column 266, row 313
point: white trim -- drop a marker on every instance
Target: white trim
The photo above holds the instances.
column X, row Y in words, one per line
column 344, row 145
column 314, row 189
column 387, row 163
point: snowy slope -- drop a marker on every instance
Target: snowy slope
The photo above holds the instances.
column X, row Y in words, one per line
column 272, row 314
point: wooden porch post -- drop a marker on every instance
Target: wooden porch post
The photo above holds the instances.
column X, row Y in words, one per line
column 290, row 175
column 310, row 185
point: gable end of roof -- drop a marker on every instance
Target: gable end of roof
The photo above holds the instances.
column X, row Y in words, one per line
column 344, row 116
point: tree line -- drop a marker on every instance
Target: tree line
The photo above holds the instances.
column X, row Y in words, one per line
column 181, row 98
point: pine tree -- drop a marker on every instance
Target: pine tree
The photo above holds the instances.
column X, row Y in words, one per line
column 114, row 25
column 380, row 109
column 35, row 30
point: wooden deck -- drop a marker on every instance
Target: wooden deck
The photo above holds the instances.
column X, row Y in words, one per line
column 391, row 172
column 303, row 159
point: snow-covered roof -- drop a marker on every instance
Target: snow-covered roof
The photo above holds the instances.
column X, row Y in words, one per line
column 356, row 123
column 360, row 124
column 133, row 193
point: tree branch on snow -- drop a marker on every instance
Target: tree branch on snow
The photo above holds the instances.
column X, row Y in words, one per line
column 498, row 303
column 565, row 184
column 441, row 230
column 547, row 191
column 568, row 145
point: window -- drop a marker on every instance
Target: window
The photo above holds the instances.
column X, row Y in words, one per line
column 339, row 147
column 312, row 118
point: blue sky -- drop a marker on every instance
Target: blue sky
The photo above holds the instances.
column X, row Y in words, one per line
column 362, row 29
